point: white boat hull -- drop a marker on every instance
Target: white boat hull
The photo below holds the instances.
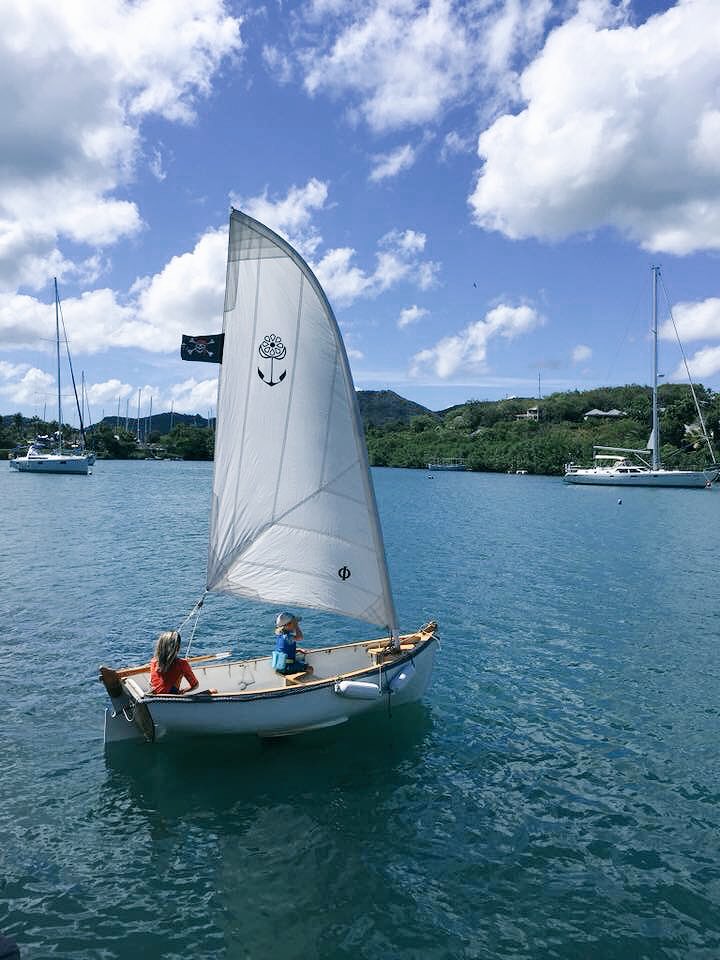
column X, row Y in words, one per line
column 52, row 463
column 649, row 478
column 252, row 699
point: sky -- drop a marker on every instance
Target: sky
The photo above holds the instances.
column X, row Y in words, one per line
column 480, row 187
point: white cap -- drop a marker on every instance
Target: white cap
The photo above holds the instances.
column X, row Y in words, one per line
column 283, row 619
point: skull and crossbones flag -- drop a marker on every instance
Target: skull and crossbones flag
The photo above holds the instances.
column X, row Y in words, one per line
column 208, row 349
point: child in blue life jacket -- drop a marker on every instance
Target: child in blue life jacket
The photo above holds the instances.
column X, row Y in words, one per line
column 287, row 656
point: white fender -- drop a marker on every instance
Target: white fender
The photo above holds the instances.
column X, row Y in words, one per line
column 402, row 678
column 357, row 689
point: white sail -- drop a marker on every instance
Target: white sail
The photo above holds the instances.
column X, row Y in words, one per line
column 294, row 519
column 651, row 440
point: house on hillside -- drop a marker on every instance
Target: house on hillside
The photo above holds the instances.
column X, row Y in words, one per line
column 532, row 413
column 604, row 414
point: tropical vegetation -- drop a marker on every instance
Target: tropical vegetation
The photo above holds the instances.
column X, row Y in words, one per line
column 516, row 433
column 502, row 435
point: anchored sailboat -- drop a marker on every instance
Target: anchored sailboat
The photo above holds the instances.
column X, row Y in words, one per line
column 41, row 459
column 613, row 466
column 293, row 518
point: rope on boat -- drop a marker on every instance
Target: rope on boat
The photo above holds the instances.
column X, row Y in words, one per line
column 705, row 434
column 195, row 612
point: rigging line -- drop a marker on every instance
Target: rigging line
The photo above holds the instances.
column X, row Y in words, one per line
column 198, row 607
column 72, row 372
column 687, row 370
column 195, row 610
column 630, row 321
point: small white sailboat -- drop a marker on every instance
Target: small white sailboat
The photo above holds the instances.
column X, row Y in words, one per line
column 626, row 467
column 293, row 519
column 41, row 457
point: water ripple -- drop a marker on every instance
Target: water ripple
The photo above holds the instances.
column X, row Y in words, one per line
column 557, row 796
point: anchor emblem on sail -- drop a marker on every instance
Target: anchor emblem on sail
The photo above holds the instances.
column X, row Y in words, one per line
column 272, row 348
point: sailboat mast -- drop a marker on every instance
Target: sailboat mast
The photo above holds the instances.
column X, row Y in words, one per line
column 57, row 346
column 655, row 422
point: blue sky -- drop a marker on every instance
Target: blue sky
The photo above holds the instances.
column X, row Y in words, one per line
column 481, row 187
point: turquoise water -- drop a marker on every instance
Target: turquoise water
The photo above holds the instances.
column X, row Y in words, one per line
column 556, row 795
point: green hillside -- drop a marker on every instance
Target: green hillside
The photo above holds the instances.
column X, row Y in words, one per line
column 381, row 407
column 489, row 435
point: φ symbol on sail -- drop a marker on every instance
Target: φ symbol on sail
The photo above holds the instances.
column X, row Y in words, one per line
column 344, row 573
column 272, row 348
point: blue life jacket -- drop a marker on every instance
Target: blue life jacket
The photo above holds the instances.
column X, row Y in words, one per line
column 285, row 643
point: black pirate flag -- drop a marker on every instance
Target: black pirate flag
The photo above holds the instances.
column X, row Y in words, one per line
column 208, row 349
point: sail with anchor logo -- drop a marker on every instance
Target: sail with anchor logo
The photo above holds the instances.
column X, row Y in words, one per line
column 294, row 483
column 293, row 521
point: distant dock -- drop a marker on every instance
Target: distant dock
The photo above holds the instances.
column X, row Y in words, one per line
column 450, row 463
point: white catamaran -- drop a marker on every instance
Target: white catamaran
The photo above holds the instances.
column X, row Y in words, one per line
column 619, row 466
column 41, row 458
column 293, row 519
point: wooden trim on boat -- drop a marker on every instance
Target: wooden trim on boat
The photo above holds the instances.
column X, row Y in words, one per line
column 411, row 644
column 239, row 696
column 145, row 668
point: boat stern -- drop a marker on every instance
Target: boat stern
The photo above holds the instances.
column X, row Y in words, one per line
column 127, row 719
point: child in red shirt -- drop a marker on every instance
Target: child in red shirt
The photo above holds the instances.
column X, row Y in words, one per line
column 167, row 669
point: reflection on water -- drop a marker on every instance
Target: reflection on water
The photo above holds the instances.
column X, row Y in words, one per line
column 216, row 774
column 266, row 830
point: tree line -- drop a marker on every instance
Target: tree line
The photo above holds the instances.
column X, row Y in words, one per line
column 485, row 433
column 185, row 441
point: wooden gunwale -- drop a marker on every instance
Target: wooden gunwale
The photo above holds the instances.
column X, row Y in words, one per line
column 311, row 685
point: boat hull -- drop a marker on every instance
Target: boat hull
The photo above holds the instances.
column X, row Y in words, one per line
column 652, row 478
column 51, row 464
column 267, row 709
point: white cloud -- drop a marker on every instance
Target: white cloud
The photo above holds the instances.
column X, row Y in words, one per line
column 31, row 389
column 427, row 274
column 391, row 164
column 354, row 354
column 411, row 315
column 154, row 313
column 409, row 241
column 10, row 370
column 188, row 396
column 404, row 62
column 151, row 318
column 278, row 63
column 191, row 285
column 156, row 165
column 291, row 216
column 581, row 353
column 342, row 281
column 467, row 350
column 705, row 363
column 109, row 392
column 81, row 78
column 695, row 321
column 397, row 260
column 455, row 144
column 193, row 395
column 632, row 143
